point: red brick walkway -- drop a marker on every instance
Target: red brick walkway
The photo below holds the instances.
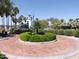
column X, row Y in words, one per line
column 62, row 46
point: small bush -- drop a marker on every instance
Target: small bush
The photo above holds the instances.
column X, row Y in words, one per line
column 37, row 37
column 51, row 31
column 3, row 56
column 16, row 31
column 60, row 32
column 25, row 36
column 55, row 31
column 49, row 36
column 41, row 32
column 76, row 33
column 68, row 32
column 73, row 32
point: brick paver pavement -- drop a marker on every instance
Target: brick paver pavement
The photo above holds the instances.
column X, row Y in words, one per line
column 63, row 45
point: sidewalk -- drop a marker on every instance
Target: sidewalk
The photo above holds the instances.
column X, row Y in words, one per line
column 53, row 50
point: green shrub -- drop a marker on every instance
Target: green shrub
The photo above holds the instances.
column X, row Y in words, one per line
column 68, row 32
column 17, row 31
column 41, row 32
column 73, row 32
column 60, row 32
column 3, row 56
column 55, row 31
column 37, row 37
column 51, row 31
column 25, row 36
column 50, row 36
column 76, row 33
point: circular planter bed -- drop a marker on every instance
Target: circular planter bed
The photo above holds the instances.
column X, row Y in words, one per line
column 37, row 37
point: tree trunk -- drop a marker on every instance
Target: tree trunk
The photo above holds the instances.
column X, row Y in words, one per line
column 11, row 24
column 7, row 23
column 15, row 22
column 15, row 25
column 37, row 30
column 3, row 23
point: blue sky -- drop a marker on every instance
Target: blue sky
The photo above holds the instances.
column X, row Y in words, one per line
column 49, row 8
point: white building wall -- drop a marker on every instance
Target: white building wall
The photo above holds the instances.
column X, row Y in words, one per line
column 29, row 22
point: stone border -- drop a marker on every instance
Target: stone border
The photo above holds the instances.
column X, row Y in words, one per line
column 34, row 43
column 27, row 42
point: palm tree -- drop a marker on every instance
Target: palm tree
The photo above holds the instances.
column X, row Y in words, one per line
column 37, row 25
column 2, row 11
column 62, row 20
column 14, row 12
column 20, row 19
column 25, row 19
column 5, row 8
column 71, row 23
column 1, row 14
column 8, row 11
column 14, row 20
column 77, row 22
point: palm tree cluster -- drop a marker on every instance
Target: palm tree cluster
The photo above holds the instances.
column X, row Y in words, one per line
column 61, row 23
column 8, row 10
column 74, row 23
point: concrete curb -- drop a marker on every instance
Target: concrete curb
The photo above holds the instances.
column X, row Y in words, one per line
column 35, row 43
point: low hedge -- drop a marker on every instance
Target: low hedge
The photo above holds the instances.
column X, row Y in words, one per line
column 76, row 33
column 18, row 31
column 41, row 32
column 37, row 37
column 68, row 32
column 60, row 32
column 54, row 31
column 49, row 36
column 25, row 36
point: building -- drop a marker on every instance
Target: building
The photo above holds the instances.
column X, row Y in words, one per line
column 49, row 24
column 28, row 23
